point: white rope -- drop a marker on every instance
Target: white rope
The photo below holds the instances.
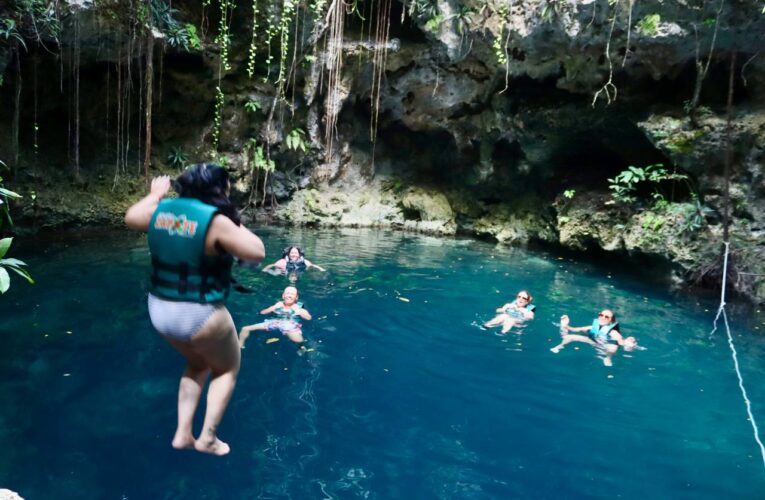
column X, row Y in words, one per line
column 721, row 312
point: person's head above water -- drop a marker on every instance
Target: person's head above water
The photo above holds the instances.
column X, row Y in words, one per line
column 524, row 298
column 292, row 253
column 606, row 317
column 290, row 295
column 208, row 183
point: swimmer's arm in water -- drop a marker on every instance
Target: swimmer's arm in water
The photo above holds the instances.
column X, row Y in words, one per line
column 279, row 264
column 505, row 307
column 527, row 314
column 309, row 264
column 617, row 336
column 236, row 240
column 564, row 325
column 269, row 310
column 139, row 215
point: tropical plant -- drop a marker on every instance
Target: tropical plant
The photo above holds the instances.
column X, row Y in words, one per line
column 5, row 194
column 649, row 25
column 251, row 106
column 569, row 193
column 177, row 157
column 296, row 140
column 14, row 265
column 624, row 185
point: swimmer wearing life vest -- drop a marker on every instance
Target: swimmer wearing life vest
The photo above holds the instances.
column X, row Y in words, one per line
column 603, row 334
column 192, row 240
column 288, row 313
column 293, row 259
column 514, row 313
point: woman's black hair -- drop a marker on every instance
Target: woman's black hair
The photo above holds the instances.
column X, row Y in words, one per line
column 207, row 182
column 287, row 250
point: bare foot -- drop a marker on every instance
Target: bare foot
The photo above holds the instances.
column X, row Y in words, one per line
column 183, row 442
column 216, row 447
column 607, row 361
column 556, row 349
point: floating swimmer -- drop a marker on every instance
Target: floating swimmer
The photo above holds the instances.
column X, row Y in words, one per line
column 514, row 313
column 293, row 259
column 287, row 322
column 603, row 334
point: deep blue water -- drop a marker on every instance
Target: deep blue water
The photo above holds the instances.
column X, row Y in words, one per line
column 400, row 399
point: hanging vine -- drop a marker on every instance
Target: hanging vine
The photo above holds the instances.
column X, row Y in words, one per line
column 253, row 41
column 223, row 40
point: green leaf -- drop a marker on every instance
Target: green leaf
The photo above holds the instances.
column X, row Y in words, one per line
column 5, row 244
column 9, row 194
column 12, row 262
column 23, row 273
column 5, row 280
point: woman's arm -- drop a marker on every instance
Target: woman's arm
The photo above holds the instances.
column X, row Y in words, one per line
column 309, row 264
column 303, row 313
column 139, row 215
column 617, row 336
column 504, row 308
column 269, row 310
column 236, row 240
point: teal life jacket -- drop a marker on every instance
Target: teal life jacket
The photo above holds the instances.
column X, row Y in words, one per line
column 288, row 314
column 181, row 270
column 515, row 313
column 602, row 333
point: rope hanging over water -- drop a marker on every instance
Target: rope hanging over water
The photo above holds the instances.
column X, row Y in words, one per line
column 721, row 312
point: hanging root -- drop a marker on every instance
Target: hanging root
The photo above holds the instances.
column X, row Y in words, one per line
column 609, row 89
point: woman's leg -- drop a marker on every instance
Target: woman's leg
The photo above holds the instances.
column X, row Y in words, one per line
column 610, row 350
column 192, row 381
column 508, row 324
column 245, row 332
column 496, row 321
column 567, row 339
column 217, row 344
column 296, row 336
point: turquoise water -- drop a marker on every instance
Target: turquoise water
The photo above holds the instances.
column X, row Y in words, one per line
column 400, row 399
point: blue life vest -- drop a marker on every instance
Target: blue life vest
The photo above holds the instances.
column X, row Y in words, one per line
column 297, row 265
column 181, row 270
column 515, row 313
column 602, row 333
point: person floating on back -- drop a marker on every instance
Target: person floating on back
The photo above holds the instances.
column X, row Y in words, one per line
column 288, row 313
column 603, row 334
column 192, row 240
column 514, row 313
column 293, row 260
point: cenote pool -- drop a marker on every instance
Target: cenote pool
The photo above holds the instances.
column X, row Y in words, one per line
column 403, row 397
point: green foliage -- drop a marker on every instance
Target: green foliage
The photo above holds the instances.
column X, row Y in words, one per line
column 9, row 32
column 260, row 160
column 14, row 265
column 251, row 106
column 624, row 185
column 463, row 19
column 649, row 25
column 696, row 216
column 550, row 10
column 682, row 143
column 5, row 194
column 177, row 157
column 569, row 193
column 423, row 10
column 434, row 23
column 710, row 22
column 296, row 140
